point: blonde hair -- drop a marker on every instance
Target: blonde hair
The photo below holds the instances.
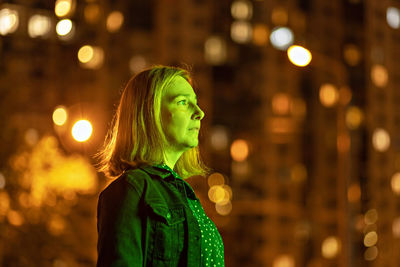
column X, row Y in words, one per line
column 136, row 136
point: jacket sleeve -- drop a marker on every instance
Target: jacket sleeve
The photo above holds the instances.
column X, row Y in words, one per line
column 119, row 226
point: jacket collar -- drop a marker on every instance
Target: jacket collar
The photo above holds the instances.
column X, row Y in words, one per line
column 161, row 170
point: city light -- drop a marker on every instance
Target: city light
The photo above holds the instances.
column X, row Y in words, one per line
column 215, row 51
column 396, row 227
column 91, row 57
column 215, row 179
column 354, row 193
column 114, row 21
column 242, row 10
column 63, row 8
column 64, row 27
column 330, row 247
column 352, row 54
column 82, row 130
column 371, row 253
column 370, row 239
column 370, row 217
column 2, row 182
column 137, row 63
column 395, row 183
column 223, row 208
column 15, row 218
column 299, row 55
column 281, row 38
column 217, row 193
column 219, row 138
column 60, row 116
column 379, row 75
column 239, row 150
column 9, row 21
column 354, row 117
column 393, row 17
column 39, row 25
column 328, row 95
column 281, row 103
column 85, row 53
column 380, row 139
column 284, row 261
column 241, row 32
column 31, row 136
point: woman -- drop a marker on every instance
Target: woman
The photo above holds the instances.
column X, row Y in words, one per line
column 150, row 216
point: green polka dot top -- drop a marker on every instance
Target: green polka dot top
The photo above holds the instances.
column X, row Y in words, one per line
column 212, row 246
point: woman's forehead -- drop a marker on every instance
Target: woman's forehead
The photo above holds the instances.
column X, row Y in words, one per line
column 179, row 86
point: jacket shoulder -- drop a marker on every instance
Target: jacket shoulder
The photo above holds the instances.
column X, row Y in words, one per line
column 136, row 178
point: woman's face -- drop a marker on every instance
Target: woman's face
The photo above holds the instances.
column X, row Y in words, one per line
column 181, row 115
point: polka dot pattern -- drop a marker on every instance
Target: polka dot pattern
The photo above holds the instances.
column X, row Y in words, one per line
column 212, row 246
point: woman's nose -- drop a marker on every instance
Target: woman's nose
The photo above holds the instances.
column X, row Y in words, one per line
column 198, row 114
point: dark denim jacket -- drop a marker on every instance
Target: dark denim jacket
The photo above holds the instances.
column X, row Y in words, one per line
column 143, row 219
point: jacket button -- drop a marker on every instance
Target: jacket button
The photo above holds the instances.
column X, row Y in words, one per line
column 168, row 215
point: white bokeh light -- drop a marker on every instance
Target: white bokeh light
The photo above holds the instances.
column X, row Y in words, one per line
column 393, row 17
column 281, row 38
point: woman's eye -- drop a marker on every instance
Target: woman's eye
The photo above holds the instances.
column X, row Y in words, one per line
column 182, row 102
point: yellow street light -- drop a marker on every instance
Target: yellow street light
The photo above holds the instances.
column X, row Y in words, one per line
column 299, row 55
column 82, row 130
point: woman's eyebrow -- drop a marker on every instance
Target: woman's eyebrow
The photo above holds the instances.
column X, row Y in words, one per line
column 187, row 95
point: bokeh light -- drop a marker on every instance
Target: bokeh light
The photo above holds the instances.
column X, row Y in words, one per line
column 64, row 27
column 260, row 34
column 370, row 239
column 215, row 178
column 241, row 9
column 299, row 55
column 39, row 25
column 328, row 95
column 241, row 32
column 371, row 216
column 215, row 50
column 9, row 21
column 354, row 193
column 91, row 57
column 137, row 63
column 239, row 150
column 2, row 182
column 396, row 227
column 281, row 103
column 60, row 115
column 371, row 253
column 15, row 218
column 217, row 194
column 281, row 38
column 284, row 261
column 31, row 136
column 395, row 183
column 354, row 117
column 219, row 137
column 352, row 54
column 330, row 247
column 380, row 139
column 114, row 21
column 393, row 17
column 63, row 8
column 379, row 75
column 223, row 208
column 82, row 130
